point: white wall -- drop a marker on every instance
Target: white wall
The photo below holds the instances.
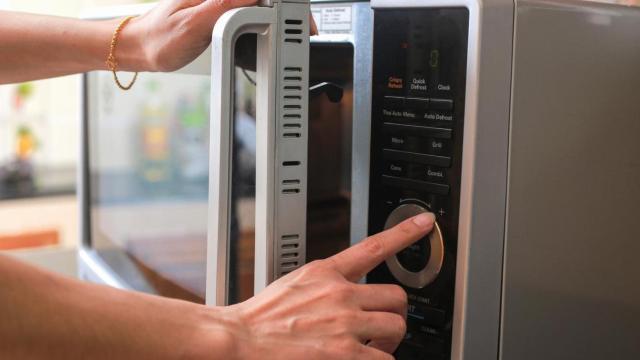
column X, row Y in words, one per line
column 23, row 216
column 53, row 111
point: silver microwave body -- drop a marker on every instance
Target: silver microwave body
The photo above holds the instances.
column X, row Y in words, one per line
column 544, row 179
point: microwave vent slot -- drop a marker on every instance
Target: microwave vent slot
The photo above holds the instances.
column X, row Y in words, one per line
column 286, row 247
column 289, row 264
column 293, row 32
column 289, row 247
column 292, row 96
column 289, row 253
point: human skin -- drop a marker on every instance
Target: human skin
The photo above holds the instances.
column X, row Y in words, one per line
column 319, row 311
column 166, row 38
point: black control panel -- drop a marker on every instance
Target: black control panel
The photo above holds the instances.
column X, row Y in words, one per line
column 419, row 76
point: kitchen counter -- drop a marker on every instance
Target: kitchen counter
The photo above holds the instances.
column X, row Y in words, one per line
column 46, row 182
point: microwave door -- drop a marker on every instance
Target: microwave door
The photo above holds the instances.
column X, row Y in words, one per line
column 281, row 145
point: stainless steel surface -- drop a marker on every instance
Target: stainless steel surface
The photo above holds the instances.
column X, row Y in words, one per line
column 484, row 177
column 92, row 268
column 430, row 272
column 229, row 27
column 361, row 141
column 571, row 277
column 484, row 173
column 285, row 207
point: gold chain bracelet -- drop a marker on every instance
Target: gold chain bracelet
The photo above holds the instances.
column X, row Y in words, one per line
column 112, row 64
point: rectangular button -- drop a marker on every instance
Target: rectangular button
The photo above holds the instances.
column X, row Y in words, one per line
column 417, row 82
column 428, row 344
column 417, row 105
column 418, row 325
column 395, row 83
column 435, row 132
column 395, row 168
column 438, row 146
column 417, row 158
column 426, row 314
column 393, row 103
column 423, row 145
column 441, row 104
column 439, row 189
column 432, row 316
column 424, row 344
column 438, row 116
column 398, row 141
column 437, row 174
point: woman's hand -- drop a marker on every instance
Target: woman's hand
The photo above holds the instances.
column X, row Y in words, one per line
column 167, row 38
column 318, row 312
column 172, row 34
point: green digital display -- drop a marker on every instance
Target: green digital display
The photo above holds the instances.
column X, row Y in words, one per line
column 434, row 58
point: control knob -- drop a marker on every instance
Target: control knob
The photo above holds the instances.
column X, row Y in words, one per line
column 419, row 264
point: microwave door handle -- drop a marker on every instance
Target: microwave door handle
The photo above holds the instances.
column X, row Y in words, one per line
column 229, row 27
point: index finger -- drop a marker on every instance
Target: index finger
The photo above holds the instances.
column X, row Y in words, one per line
column 356, row 261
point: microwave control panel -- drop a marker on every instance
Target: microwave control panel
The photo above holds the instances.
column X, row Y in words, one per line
column 419, row 78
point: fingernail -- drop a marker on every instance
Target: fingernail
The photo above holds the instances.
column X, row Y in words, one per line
column 424, row 220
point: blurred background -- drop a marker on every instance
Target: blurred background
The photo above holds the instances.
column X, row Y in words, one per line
column 39, row 124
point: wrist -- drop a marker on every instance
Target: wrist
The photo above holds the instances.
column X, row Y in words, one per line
column 220, row 334
column 130, row 51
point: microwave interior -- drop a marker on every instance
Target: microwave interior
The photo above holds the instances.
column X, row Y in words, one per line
column 146, row 154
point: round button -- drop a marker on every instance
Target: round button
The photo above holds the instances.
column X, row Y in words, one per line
column 419, row 264
column 415, row 257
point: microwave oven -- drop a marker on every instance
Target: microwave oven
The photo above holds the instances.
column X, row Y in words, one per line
column 515, row 122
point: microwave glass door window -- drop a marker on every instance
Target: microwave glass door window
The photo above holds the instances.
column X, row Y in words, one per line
column 149, row 170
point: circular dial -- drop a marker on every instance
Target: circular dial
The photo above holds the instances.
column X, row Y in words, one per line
column 419, row 264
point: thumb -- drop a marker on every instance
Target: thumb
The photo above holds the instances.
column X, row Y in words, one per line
column 214, row 8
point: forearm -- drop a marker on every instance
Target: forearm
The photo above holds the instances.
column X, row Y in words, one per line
column 49, row 316
column 36, row 47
